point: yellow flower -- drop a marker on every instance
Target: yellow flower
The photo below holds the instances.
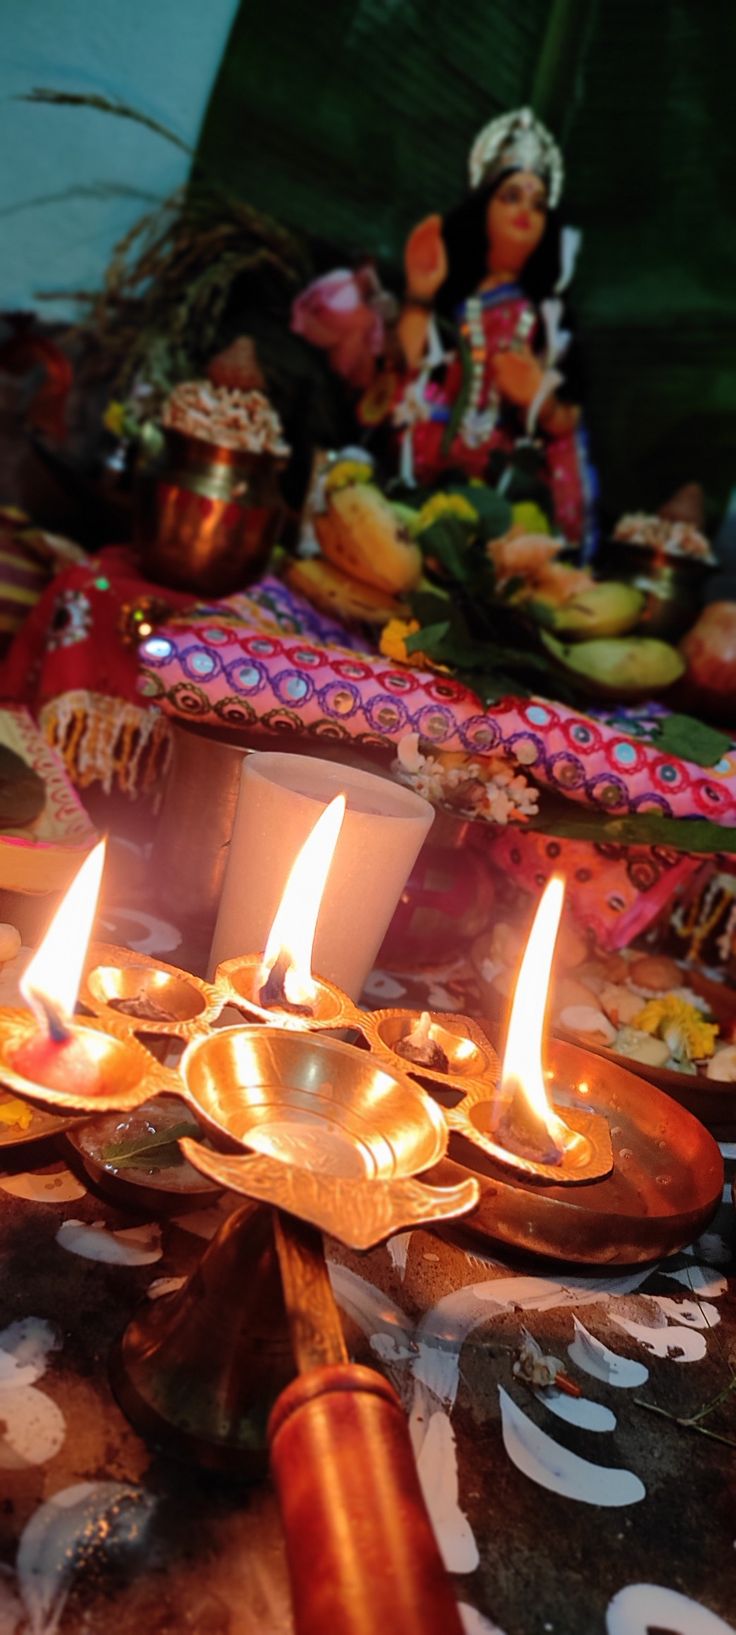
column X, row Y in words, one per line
column 445, row 505
column 530, row 517
column 345, row 472
column 392, row 641
column 114, row 418
column 682, row 1027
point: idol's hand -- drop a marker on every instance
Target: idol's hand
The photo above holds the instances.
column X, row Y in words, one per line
column 425, row 260
column 518, row 375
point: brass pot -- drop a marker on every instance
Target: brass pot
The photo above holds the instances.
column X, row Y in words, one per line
column 208, row 517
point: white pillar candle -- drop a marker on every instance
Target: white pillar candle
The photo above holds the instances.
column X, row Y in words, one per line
column 280, row 799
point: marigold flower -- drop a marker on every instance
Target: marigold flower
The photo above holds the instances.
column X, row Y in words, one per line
column 392, row 642
column 446, row 505
column 680, row 1025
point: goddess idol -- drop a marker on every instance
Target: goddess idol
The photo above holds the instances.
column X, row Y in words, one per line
column 481, row 335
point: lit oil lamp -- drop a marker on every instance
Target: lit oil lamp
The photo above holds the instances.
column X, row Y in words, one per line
column 54, row 1053
column 279, row 986
column 608, row 1170
column 46, row 1054
column 525, row 1130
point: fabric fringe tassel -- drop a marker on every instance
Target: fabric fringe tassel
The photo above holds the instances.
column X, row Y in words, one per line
column 109, row 741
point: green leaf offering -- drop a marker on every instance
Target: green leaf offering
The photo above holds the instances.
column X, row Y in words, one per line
column 428, row 640
column 448, row 541
column 493, row 510
column 689, row 835
column 691, row 740
column 160, row 1146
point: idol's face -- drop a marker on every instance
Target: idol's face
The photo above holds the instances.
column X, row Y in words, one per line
column 516, row 218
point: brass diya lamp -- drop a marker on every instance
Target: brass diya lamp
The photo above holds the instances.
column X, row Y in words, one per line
column 50, row 1057
column 608, row 1170
column 309, row 1123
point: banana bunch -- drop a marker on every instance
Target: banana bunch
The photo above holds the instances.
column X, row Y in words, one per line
column 360, row 534
column 369, row 560
column 341, row 597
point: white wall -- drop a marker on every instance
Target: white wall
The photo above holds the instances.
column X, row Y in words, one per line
column 161, row 56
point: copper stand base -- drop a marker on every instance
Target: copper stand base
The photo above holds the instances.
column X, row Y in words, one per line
column 198, row 1371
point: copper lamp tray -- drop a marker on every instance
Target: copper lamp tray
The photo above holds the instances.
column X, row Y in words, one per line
column 665, row 1186
column 338, row 1136
column 469, row 1051
column 114, row 976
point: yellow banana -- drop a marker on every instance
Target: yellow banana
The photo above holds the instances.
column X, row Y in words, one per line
column 360, row 533
column 340, row 595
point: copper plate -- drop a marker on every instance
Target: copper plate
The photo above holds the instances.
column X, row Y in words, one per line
column 42, row 1126
column 170, row 1189
column 665, row 1186
column 710, row 1100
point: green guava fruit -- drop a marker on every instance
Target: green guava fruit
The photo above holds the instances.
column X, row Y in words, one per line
column 622, row 667
column 607, row 609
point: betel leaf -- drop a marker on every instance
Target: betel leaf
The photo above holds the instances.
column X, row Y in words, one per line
column 496, row 685
column 691, row 740
column 494, row 511
column 447, row 540
column 543, row 613
column 430, row 606
column 695, row 835
column 121, row 1153
column 22, row 791
column 428, row 640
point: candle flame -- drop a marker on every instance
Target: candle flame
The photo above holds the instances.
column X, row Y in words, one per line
column 50, row 983
column 291, row 937
column 522, row 1073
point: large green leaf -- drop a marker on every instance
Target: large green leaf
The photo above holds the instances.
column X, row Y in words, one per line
column 694, row 835
column 690, row 739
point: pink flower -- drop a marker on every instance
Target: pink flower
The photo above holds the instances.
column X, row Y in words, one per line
column 344, row 313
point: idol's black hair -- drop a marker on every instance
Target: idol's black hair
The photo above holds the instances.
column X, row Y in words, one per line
column 466, row 242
